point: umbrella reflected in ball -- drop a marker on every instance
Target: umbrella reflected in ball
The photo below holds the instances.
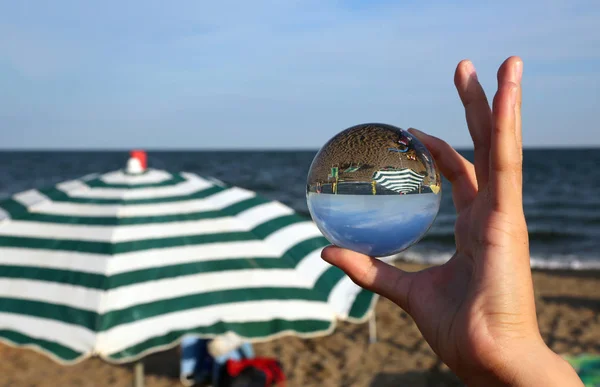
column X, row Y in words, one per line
column 374, row 189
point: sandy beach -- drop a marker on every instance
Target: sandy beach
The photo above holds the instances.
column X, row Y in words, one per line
column 568, row 306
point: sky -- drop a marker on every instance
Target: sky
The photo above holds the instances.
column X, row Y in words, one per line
column 285, row 74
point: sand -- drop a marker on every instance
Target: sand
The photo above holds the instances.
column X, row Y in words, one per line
column 568, row 305
column 366, row 146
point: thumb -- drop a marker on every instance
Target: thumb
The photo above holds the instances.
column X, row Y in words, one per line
column 372, row 274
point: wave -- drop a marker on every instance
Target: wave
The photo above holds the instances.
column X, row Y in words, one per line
column 590, row 205
column 445, row 237
column 550, row 262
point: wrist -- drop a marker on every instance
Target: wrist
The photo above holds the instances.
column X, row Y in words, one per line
column 527, row 364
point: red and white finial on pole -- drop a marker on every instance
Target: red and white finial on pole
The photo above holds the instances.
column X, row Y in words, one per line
column 137, row 162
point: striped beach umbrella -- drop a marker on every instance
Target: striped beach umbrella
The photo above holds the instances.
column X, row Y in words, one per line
column 120, row 265
column 404, row 180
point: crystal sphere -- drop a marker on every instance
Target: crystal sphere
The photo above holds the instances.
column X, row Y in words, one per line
column 374, row 189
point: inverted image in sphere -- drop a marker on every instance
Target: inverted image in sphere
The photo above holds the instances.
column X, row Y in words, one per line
column 373, row 188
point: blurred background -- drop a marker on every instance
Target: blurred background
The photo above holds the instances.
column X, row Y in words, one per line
column 248, row 92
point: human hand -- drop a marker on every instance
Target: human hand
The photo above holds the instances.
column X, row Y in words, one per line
column 477, row 311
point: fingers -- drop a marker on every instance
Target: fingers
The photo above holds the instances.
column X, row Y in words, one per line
column 453, row 166
column 372, row 274
column 506, row 154
column 478, row 115
column 518, row 127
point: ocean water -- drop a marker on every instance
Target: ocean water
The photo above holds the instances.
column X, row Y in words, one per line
column 561, row 192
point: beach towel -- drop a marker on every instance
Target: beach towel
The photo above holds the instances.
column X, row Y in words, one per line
column 587, row 367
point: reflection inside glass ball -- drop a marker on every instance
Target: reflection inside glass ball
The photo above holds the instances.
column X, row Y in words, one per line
column 374, row 189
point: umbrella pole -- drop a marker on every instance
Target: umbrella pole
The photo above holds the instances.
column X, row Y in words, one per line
column 372, row 329
column 138, row 376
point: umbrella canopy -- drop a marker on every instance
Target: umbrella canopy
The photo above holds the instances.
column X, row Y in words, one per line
column 120, row 265
column 404, row 180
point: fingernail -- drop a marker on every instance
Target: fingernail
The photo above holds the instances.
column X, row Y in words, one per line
column 324, row 251
column 470, row 69
column 417, row 133
column 518, row 69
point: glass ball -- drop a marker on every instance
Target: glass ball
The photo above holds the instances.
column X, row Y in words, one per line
column 374, row 189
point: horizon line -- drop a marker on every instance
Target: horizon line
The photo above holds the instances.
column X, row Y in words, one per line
column 252, row 149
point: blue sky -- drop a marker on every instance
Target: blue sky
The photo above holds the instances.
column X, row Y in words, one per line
column 284, row 74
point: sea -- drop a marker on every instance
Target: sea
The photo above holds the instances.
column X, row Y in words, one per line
column 561, row 192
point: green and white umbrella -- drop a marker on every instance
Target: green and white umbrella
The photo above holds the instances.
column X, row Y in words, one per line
column 404, row 180
column 121, row 265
